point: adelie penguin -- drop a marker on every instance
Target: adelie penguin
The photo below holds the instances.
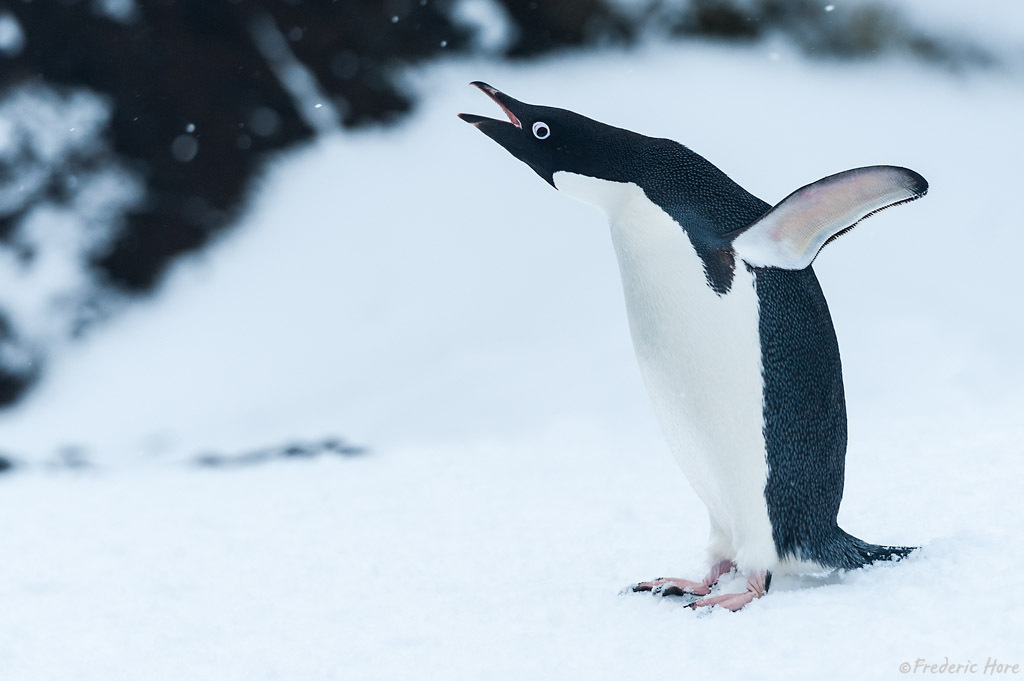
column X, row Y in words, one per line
column 731, row 331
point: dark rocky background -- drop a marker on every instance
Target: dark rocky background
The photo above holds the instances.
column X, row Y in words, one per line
column 195, row 102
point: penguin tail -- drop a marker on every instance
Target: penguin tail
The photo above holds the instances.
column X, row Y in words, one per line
column 848, row 552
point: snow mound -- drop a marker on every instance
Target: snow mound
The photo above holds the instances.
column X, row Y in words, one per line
column 423, row 294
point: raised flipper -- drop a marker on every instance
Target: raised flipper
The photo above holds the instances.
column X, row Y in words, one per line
column 791, row 234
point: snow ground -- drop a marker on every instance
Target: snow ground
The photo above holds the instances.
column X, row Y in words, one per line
column 499, row 561
column 421, row 292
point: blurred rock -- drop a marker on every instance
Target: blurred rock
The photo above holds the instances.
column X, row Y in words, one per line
column 542, row 27
column 844, row 30
column 295, row 450
column 18, row 367
column 179, row 99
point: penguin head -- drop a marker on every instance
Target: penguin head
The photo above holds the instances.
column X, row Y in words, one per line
column 551, row 140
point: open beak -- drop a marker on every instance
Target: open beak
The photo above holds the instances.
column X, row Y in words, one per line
column 507, row 104
column 509, row 134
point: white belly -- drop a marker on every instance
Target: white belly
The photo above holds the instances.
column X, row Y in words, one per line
column 700, row 357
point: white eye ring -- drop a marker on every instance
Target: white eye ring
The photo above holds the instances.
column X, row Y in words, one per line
column 541, row 130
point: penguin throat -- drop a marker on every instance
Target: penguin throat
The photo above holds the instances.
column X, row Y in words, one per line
column 613, row 197
column 607, row 195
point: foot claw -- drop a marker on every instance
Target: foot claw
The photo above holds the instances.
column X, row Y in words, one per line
column 647, row 586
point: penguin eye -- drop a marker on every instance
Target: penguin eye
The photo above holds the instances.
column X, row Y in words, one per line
column 541, row 130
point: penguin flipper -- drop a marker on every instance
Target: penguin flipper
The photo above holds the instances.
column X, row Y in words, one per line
column 790, row 235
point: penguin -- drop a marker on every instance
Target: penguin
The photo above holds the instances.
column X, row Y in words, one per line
column 731, row 332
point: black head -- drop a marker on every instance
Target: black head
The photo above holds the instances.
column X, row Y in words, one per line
column 549, row 140
column 697, row 195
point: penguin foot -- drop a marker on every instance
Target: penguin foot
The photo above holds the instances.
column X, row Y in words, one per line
column 673, row 586
column 757, row 586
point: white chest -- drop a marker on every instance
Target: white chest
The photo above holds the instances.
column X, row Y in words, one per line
column 699, row 352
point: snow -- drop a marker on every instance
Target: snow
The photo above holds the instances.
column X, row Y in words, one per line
column 67, row 193
column 420, row 292
column 994, row 24
column 12, row 38
column 492, row 27
column 492, row 561
column 295, row 76
column 123, row 11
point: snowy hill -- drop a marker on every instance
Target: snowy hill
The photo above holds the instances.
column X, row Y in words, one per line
column 516, row 480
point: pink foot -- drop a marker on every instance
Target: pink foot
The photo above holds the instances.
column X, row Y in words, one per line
column 757, row 586
column 672, row 586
